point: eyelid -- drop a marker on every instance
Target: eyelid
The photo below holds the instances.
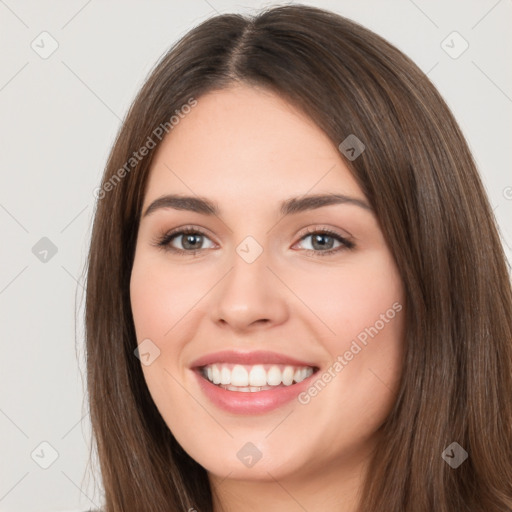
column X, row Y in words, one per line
column 347, row 242
column 164, row 240
column 344, row 234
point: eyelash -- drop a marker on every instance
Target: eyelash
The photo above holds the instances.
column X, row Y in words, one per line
column 163, row 242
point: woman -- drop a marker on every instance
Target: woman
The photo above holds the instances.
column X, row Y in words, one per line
column 297, row 298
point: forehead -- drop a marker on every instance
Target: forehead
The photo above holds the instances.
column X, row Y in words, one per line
column 247, row 143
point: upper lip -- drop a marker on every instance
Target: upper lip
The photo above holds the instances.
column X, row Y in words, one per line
column 248, row 358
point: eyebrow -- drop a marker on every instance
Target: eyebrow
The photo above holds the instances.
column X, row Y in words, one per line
column 290, row 206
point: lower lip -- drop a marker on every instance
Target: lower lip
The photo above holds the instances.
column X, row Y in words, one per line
column 251, row 402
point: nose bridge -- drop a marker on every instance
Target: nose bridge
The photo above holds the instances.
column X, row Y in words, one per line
column 249, row 293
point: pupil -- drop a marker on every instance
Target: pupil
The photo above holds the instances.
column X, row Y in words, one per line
column 317, row 239
column 189, row 241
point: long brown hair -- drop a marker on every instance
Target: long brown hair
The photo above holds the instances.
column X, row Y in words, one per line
column 418, row 175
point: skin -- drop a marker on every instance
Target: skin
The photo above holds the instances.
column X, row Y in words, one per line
column 247, row 149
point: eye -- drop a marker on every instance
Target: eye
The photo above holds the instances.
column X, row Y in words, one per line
column 323, row 242
column 190, row 239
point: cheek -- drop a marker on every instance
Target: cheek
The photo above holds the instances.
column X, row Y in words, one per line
column 161, row 298
column 148, row 307
column 363, row 307
column 350, row 299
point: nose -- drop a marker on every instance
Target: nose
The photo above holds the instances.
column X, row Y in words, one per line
column 249, row 296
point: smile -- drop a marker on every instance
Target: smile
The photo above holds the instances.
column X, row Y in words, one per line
column 251, row 382
column 254, row 378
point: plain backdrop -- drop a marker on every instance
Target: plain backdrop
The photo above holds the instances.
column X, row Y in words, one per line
column 69, row 71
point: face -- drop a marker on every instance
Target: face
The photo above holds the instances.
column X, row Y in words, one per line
column 292, row 306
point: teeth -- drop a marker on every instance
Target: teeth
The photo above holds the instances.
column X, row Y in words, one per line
column 258, row 376
column 239, row 376
column 254, row 378
column 247, row 389
column 274, row 376
column 288, row 374
column 225, row 375
column 215, row 374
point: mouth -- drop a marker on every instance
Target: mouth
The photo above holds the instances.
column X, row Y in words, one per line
column 251, row 383
column 254, row 378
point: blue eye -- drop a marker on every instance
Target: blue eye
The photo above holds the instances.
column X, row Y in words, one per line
column 192, row 239
column 325, row 240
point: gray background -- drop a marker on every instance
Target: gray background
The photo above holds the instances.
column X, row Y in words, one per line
column 59, row 116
